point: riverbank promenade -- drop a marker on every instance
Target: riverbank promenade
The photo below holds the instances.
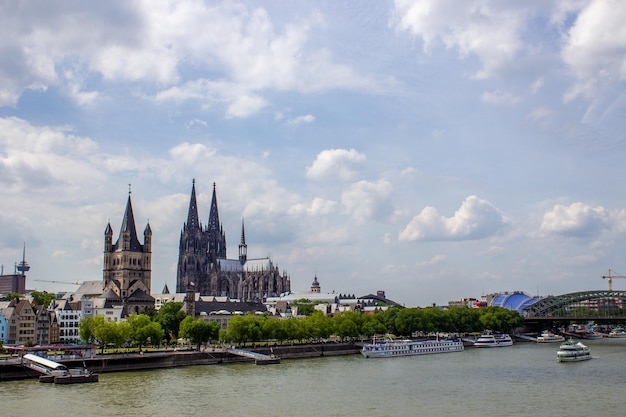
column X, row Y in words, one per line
column 11, row 368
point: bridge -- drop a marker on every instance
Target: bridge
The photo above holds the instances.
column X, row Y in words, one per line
column 259, row 358
column 605, row 305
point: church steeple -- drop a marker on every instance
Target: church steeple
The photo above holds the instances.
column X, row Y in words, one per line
column 214, row 217
column 192, row 216
column 243, row 248
column 128, row 231
column 216, row 236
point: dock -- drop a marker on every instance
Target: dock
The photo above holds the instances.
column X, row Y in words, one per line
column 259, row 358
column 57, row 373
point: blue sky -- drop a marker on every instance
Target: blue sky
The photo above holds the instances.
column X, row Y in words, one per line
column 432, row 149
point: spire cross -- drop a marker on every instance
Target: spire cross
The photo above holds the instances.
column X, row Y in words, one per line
column 129, row 188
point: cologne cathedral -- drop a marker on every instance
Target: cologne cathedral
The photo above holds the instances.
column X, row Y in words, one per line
column 204, row 268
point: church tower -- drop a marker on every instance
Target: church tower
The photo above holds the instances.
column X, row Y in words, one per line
column 193, row 249
column 315, row 287
column 127, row 269
column 216, row 235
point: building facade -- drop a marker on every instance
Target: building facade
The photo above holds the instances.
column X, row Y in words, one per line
column 204, row 267
column 127, row 269
column 15, row 283
column 22, row 322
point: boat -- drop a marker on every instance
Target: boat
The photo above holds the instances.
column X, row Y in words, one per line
column 57, row 373
column 591, row 335
column 617, row 332
column 70, row 376
column 548, row 337
column 392, row 348
column 493, row 340
column 571, row 351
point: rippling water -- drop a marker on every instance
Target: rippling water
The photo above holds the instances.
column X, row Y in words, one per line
column 523, row 380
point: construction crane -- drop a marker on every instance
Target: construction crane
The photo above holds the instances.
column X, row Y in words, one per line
column 610, row 278
column 60, row 282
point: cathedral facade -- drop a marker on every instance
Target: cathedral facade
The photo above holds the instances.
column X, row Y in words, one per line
column 204, row 267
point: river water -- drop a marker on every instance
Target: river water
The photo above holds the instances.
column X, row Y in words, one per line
column 522, row 380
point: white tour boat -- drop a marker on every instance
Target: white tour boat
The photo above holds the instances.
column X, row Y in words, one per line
column 493, row 340
column 571, row 351
column 548, row 337
column 617, row 333
column 392, row 348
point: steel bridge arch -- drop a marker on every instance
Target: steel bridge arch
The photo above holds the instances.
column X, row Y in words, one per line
column 549, row 305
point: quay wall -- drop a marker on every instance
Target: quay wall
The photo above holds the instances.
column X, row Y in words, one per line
column 10, row 369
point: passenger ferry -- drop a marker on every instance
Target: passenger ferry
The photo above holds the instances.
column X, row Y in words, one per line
column 392, row 348
column 549, row 337
column 493, row 340
column 573, row 352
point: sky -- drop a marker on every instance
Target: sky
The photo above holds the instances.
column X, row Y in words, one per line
column 432, row 149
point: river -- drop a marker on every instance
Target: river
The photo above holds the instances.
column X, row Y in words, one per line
column 522, row 380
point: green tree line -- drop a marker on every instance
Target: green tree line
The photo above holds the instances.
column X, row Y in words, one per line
column 170, row 323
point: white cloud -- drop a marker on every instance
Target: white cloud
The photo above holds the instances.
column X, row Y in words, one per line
column 435, row 260
column 577, row 219
column 499, row 97
column 336, row 163
column 487, row 28
column 596, row 46
column 155, row 43
column 317, row 207
column 307, row 118
column 475, row 219
column 191, row 153
column 365, row 200
column 245, row 105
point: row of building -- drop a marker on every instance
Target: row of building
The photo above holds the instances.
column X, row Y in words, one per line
column 211, row 285
column 24, row 322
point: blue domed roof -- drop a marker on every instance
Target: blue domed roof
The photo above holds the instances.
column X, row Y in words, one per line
column 514, row 301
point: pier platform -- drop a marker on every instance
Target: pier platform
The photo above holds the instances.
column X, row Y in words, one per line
column 259, row 358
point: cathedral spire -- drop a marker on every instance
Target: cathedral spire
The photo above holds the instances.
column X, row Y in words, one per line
column 214, row 217
column 215, row 233
column 192, row 216
column 243, row 248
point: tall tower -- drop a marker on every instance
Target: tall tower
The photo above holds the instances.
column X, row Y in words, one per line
column 127, row 266
column 23, row 266
column 216, row 235
column 193, row 249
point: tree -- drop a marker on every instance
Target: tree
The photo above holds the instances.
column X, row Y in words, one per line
column 305, row 306
column 170, row 316
column 42, row 298
column 105, row 332
column 318, row 326
column 199, row 331
column 498, row 318
column 86, row 329
column 13, row 296
column 143, row 330
column 346, row 325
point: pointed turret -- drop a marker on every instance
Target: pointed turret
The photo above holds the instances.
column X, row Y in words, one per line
column 192, row 215
column 108, row 238
column 243, row 248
